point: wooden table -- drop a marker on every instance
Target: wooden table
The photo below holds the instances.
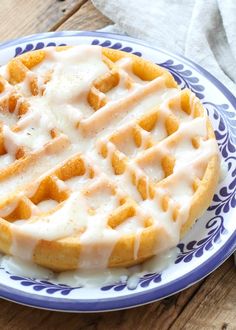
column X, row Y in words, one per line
column 209, row 304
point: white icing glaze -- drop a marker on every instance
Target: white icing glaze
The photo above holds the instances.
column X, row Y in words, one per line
column 47, row 205
column 137, row 241
column 76, row 182
column 153, row 169
column 8, row 118
column 130, row 225
column 223, row 171
column 64, row 107
column 6, row 160
column 22, row 243
column 19, row 267
column 91, row 278
column 118, row 112
column 8, row 209
column 32, row 173
column 72, row 215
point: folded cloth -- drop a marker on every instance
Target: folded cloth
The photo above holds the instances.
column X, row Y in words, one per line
column 202, row 30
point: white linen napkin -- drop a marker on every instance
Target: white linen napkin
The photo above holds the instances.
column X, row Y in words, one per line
column 202, row 30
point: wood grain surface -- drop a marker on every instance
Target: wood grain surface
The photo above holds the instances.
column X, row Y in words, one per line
column 209, row 304
column 23, row 17
column 87, row 18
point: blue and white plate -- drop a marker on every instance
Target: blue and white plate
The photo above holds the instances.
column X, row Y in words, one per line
column 213, row 237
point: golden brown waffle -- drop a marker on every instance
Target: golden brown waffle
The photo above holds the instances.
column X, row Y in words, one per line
column 104, row 161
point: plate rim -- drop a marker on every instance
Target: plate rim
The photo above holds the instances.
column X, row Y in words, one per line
column 149, row 295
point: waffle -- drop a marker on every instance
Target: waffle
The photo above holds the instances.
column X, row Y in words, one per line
column 104, row 161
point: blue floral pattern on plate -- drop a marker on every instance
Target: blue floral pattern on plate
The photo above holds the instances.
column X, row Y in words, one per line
column 37, row 46
column 184, row 77
column 215, row 230
column 117, row 46
column 49, row 287
column 197, row 248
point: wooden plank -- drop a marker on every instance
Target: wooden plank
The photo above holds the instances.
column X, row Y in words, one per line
column 86, row 18
column 159, row 314
column 19, row 18
column 214, row 306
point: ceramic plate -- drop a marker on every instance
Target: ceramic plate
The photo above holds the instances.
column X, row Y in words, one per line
column 213, row 237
